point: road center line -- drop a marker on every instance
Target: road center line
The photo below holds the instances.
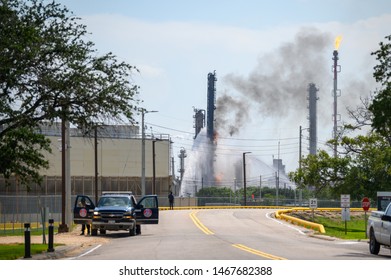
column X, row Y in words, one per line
column 256, row 252
column 204, row 229
column 198, row 223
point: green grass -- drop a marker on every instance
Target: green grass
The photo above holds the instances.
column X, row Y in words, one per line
column 16, row 251
column 335, row 227
column 354, row 229
column 20, row 232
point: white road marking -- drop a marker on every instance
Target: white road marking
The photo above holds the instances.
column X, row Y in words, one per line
column 86, row 253
column 281, row 223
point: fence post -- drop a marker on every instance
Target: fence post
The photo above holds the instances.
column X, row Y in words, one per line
column 27, row 241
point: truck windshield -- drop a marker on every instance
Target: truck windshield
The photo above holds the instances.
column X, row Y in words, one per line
column 114, row 201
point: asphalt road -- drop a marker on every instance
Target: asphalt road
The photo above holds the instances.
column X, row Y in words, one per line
column 228, row 234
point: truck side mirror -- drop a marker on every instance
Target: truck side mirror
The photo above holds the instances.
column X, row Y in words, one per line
column 386, row 218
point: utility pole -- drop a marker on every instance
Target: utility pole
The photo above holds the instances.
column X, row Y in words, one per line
column 65, row 174
column 96, row 164
column 300, row 135
column 173, row 175
column 154, row 165
column 278, row 173
column 260, row 188
column 143, row 112
column 244, row 178
column 235, row 190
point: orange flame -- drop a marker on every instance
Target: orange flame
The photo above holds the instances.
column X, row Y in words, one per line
column 338, row 42
column 215, row 137
column 219, row 178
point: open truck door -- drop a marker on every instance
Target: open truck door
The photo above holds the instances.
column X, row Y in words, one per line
column 147, row 210
column 83, row 210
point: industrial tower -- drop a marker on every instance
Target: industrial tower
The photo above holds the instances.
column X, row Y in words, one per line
column 336, row 93
column 211, row 105
column 312, row 98
column 199, row 121
column 182, row 155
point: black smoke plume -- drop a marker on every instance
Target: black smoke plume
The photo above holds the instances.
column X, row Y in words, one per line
column 277, row 86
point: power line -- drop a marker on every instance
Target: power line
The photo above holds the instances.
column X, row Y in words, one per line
column 227, row 138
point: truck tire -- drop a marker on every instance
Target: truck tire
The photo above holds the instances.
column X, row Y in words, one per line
column 138, row 229
column 132, row 231
column 374, row 246
column 94, row 232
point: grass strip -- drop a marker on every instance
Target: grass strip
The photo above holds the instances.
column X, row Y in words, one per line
column 17, row 251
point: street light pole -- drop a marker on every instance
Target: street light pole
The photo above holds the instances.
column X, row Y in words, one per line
column 235, row 190
column 244, row 177
column 153, row 167
column 96, row 163
column 143, row 112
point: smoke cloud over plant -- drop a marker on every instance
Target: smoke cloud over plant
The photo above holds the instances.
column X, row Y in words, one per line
column 277, row 86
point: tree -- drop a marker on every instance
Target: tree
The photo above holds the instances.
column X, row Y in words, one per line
column 370, row 157
column 18, row 154
column 381, row 106
column 321, row 171
column 362, row 169
column 50, row 73
column 214, row 195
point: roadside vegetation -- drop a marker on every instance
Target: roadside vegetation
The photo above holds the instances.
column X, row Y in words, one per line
column 17, row 251
column 333, row 224
column 12, row 229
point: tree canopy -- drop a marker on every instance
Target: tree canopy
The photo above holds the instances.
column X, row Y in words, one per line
column 381, row 106
column 49, row 72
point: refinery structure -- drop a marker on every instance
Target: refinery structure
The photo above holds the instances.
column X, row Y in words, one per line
column 123, row 158
column 201, row 167
column 206, row 166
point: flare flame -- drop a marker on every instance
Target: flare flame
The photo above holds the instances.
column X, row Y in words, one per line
column 338, row 42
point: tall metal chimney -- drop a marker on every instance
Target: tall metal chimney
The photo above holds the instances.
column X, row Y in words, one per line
column 336, row 94
column 312, row 98
column 182, row 155
column 211, row 105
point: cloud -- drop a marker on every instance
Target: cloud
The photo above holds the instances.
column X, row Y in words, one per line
column 150, row 71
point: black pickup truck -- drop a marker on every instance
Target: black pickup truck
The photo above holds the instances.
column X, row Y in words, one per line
column 116, row 211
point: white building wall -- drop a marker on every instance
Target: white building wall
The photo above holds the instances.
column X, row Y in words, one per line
column 116, row 157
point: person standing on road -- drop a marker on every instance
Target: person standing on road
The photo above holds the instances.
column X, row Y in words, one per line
column 171, row 200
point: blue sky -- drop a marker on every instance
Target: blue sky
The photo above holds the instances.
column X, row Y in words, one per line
column 250, row 44
column 249, row 14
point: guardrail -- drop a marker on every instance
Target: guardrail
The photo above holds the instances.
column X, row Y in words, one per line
column 282, row 214
column 163, row 208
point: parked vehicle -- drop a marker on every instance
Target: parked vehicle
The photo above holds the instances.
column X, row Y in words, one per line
column 117, row 211
column 379, row 230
